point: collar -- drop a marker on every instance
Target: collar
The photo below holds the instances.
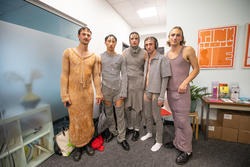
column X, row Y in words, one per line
column 110, row 54
column 133, row 51
column 157, row 56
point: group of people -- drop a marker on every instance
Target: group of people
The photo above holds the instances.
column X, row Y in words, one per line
column 134, row 83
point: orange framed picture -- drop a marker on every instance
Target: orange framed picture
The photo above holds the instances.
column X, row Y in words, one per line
column 216, row 47
column 246, row 63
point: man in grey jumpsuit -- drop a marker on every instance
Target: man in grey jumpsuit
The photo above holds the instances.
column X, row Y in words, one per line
column 135, row 58
column 156, row 74
column 114, row 89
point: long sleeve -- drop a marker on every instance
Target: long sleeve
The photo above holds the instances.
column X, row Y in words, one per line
column 165, row 74
column 65, row 77
column 165, row 68
column 124, row 82
column 164, row 84
column 96, row 76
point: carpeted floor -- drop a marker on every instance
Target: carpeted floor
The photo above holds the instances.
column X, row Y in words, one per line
column 211, row 153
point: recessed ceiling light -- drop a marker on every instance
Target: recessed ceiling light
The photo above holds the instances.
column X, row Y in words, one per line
column 147, row 12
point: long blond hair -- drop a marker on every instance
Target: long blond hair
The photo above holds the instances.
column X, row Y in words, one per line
column 182, row 41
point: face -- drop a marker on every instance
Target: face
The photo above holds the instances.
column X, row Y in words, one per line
column 134, row 40
column 150, row 46
column 175, row 37
column 84, row 37
column 110, row 44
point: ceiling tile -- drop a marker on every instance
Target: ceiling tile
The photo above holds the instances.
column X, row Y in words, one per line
column 127, row 10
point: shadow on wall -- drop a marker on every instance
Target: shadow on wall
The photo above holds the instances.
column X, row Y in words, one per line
column 22, row 50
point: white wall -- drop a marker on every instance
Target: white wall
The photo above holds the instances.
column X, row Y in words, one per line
column 193, row 15
column 100, row 18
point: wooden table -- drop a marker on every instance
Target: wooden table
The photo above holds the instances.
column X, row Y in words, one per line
column 206, row 102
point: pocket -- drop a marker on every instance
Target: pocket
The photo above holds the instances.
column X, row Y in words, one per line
column 117, row 65
column 115, row 68
column 176, row 96
column 105, row 91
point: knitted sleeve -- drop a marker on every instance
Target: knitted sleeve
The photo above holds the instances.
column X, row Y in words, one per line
column 96, row 76
column 65, row 77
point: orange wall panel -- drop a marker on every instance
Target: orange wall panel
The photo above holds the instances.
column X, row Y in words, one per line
column 230, row 34
column 224, row 58
column 219, row 50
column 247, row 48
column 205, row 58
column 220, row 35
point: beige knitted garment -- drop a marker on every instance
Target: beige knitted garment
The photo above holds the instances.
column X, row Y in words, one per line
column 77, row 73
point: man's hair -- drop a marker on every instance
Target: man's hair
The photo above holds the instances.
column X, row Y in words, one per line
column 151, row 38
column 84, row 28
column 134, row 33
column 110, row 35
column 182, row 41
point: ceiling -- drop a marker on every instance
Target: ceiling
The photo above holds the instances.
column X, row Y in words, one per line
column 127, row 10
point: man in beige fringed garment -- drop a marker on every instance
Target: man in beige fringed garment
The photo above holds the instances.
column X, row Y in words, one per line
column 79, row 67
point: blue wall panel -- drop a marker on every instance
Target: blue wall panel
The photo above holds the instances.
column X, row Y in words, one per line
column 35, row 39
column 25, row 14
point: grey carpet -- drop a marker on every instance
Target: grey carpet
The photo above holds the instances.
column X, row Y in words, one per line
column 211, row 153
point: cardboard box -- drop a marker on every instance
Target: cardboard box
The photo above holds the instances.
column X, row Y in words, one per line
column 214, row 132
column 214, row 129
column 220, row 115
column 230, row 134
column 210, row 122
column 244, row 136
column 245, row 122
column 230, row 120
column 234, row 119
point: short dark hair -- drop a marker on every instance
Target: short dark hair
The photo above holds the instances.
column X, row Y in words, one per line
column 179, row 28
column 110, row 35
column 134, row 33
column 84, row 28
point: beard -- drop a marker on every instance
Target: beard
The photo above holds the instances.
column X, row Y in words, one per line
column 84, row 41
column 134, row 47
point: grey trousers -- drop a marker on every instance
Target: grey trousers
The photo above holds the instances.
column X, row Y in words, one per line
column 133, row 119
column 120, row 122
column 153, row 111
column 111, row 95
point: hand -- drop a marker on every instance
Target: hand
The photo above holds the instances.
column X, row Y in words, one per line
column 67, row 105
column 182, row 88
column 160, row 103
column 98, row 100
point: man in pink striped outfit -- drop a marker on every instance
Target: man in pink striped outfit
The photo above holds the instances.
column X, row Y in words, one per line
column 180, row 58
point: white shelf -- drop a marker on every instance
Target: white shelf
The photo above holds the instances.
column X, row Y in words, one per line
column 18, row 112
column 11, row 150
column 16, row 119
column 38, row 160
column 36, row 136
